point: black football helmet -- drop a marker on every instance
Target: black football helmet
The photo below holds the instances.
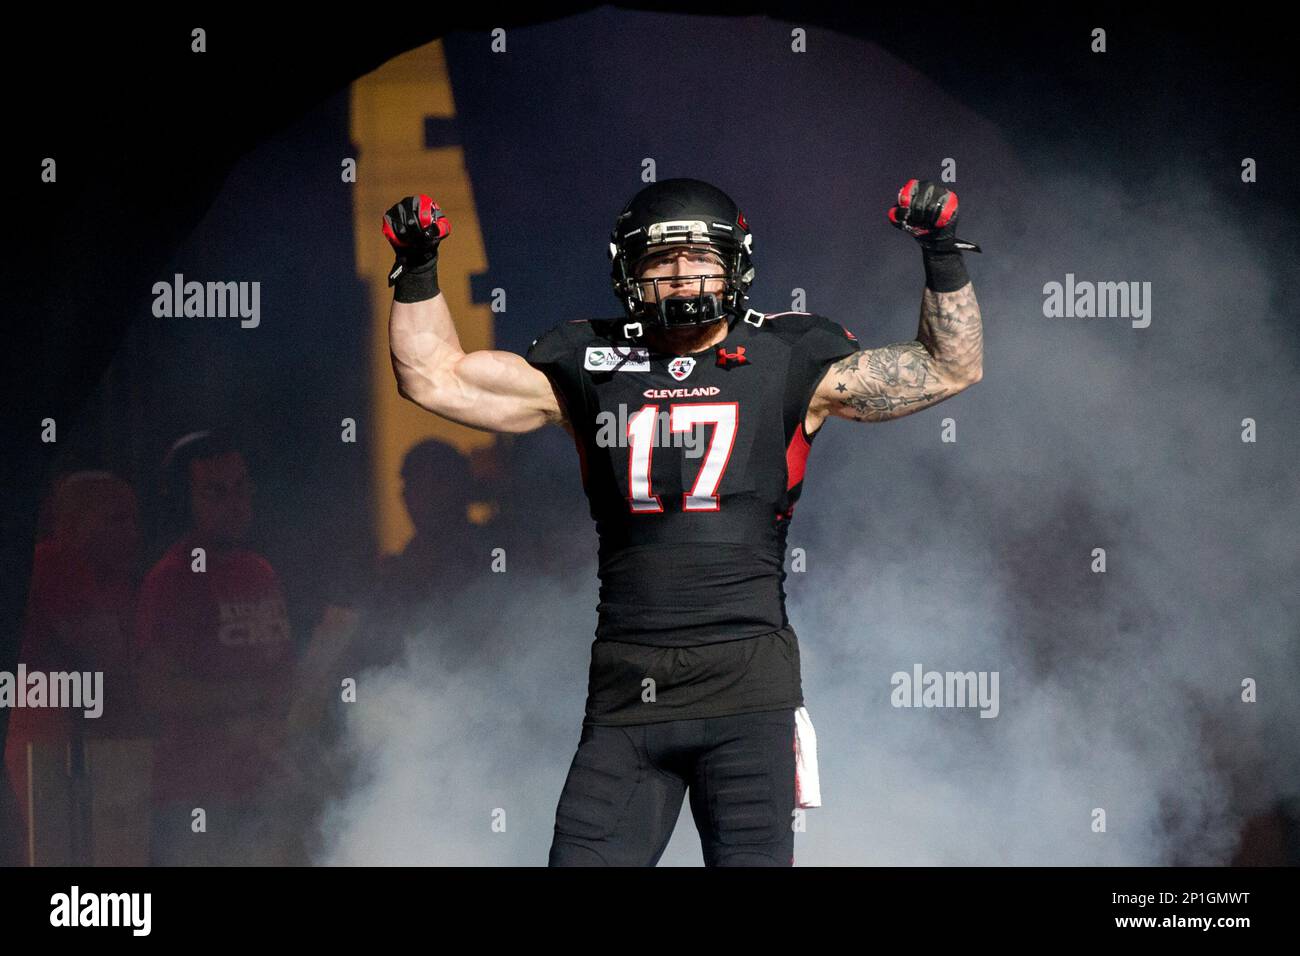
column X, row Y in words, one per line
column 676, row 213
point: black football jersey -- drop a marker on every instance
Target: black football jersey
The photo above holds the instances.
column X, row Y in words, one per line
column 692, row 465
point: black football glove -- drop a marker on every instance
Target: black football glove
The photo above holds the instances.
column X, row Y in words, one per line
column 414, row 227
column 928, row 211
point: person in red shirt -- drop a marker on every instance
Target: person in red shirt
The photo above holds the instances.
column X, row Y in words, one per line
column 216, row 658
column 78, row 619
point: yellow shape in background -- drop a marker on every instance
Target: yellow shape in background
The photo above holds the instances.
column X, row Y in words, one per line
column 388, row 110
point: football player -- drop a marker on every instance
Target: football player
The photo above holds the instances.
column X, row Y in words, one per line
column 693, row 416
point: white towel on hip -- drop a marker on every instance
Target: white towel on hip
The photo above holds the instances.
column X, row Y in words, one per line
column 807, row 788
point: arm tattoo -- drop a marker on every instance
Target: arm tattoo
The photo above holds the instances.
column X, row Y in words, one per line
column 952, row 332
column 880, row 384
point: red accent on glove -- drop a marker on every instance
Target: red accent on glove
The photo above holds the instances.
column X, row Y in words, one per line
column 948, row 211
column 390, row 235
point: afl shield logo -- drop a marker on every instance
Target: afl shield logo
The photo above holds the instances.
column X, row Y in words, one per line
column 681, row 366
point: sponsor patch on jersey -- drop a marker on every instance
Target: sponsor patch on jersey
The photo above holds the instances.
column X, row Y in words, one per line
column 681, row 366
column 608, row 359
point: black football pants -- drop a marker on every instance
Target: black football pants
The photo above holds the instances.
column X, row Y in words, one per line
column 625, row 788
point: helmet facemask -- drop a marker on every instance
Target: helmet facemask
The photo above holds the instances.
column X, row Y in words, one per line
column 685, row 300
column 677, row 214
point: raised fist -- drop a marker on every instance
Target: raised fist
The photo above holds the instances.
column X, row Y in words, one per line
column 928, row 212
column 414, row 227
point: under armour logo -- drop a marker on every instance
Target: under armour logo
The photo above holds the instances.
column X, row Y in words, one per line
column 688, row 307
column 726, row 358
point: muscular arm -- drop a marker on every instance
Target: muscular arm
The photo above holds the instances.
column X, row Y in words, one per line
column 492, row 390
column 875, row 385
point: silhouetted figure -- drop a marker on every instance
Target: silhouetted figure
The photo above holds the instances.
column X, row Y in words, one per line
column 423, row 592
